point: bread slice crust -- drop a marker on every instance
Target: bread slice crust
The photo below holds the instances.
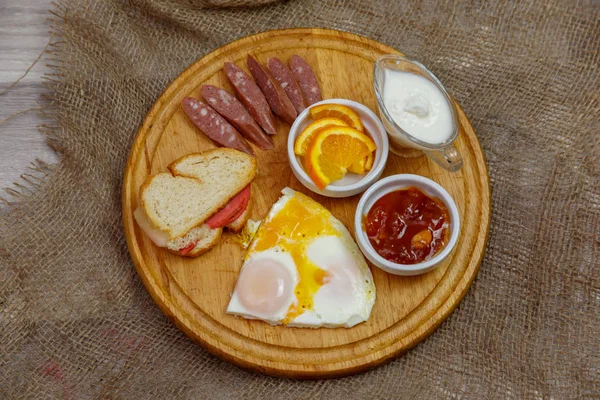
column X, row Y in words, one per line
column 204, row 244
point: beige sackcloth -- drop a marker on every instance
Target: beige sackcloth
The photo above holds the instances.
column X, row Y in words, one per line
column 76, row 322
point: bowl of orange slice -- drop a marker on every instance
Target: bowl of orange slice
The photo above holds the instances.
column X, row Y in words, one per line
column 337, row 147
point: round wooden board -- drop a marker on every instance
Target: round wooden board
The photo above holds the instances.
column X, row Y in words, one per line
column 194, row 292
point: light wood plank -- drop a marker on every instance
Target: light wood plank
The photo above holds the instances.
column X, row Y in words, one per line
column 23, row 35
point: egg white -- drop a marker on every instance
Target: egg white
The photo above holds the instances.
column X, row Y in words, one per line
column 344, row 300
column 348, row 297
column 236, row 307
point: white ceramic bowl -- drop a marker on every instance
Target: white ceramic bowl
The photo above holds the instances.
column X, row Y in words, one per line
column 393, row 183
column 350, row 184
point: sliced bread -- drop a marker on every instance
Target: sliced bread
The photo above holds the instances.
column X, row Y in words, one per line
column 206, row 237
column 199, row 185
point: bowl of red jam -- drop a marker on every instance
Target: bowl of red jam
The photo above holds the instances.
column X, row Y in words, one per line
column 406, row 224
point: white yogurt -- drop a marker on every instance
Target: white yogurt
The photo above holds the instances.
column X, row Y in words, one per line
column 417, row 106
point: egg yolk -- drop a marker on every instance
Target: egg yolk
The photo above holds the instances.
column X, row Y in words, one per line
column 264, row 287
column 292, row 229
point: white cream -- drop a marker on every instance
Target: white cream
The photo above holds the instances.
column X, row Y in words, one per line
column 417, row 106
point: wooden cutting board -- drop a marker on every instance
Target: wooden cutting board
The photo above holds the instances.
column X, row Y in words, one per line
column 194, row 292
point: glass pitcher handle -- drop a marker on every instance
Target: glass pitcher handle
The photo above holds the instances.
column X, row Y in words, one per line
column 448, row 158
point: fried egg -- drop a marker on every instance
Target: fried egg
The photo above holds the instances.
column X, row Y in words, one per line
column 303, row 269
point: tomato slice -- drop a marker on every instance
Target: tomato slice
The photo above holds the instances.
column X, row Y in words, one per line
column 236, row 215
column 231, row 211
column 240, row 211
column 188, row 248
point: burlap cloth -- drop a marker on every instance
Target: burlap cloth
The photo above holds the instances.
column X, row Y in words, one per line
column 76, row 322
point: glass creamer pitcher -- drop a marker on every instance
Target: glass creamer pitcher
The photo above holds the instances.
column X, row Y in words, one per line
column 401, row 142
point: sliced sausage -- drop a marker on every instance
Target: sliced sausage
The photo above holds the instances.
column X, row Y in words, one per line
column 306, row 79
column 251, row 97
column 288, row 83
column 214, row 126
column 234, row 112
column 278, row 100
column 231, row 211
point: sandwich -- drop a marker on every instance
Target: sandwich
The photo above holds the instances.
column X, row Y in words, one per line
column 186, row 209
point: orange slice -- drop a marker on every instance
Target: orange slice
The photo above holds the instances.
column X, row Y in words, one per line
column 348, row 115
column 343, row 145
column 363, row 165
column 323, row 172
column 369, row 160
column 305, row 138
column 333, row 151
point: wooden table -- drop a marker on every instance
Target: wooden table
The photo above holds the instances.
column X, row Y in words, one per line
column 24, row 32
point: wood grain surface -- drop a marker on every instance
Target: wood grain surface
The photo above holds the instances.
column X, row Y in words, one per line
column 194, row 293
column 23, row 35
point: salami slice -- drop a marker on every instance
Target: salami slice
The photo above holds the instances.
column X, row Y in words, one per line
column 288, row 83
column 251, row 96
column 214, row 126
column 306, row 79
column 276, row 97
column 234, row 112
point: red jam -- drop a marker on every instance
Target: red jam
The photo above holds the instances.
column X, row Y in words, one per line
column 407, row 226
